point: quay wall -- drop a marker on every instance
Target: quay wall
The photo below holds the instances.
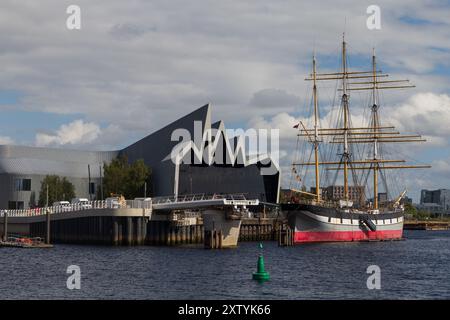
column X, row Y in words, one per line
column 128, row 226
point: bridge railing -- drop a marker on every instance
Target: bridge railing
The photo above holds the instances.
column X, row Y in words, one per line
column 198, row 197
column 96, row 204
column 117, row 204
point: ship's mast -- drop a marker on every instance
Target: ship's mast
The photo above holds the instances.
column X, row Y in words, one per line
column 375, row 124
column 346, row 154
column 345, row 135
column 316, row 131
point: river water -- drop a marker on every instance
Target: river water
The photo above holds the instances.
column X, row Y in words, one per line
column 417, row 268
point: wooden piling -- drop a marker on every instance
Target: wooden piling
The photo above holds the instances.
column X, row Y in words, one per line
column 219, row 239
column 197, row 234
column 163, row 233
column 177, row 235
column 183, row 234
column 173, row 235
column 129, row 231
column 115, row 239
column 168, row 234
column 47, row 218
column 286, row 236
column 138, row 231
column 5, row 225
column 143, row 229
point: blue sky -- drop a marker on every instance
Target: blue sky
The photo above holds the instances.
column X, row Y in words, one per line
column 135, row 66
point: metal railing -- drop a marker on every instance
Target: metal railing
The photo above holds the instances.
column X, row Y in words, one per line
column 97, row 204
column 118, row 204
column 335, row 204
column 198, row 197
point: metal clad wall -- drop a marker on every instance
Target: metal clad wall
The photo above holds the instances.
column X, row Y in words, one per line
column 157, row 146
column 9, row 194
column 222, row 179
column 21, row 162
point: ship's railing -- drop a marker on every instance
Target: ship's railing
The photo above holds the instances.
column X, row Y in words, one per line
column 90, row 205
column 335, row 204
column 323, row 203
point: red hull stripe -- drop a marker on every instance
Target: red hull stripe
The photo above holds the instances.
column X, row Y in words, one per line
column 331, row 236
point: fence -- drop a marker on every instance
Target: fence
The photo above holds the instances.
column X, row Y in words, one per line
column 198, row 197
column 97, row 204
column 117, row 204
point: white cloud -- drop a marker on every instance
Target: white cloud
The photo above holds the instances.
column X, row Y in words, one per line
column 75, row 133
column 274, row 100
column 6, row 140
column 442, row 166
column 139, row 66
column 160, row 60
column 427, row 113
column 423, row 113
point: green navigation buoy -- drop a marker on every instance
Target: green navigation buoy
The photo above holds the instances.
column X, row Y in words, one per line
column 261, row 274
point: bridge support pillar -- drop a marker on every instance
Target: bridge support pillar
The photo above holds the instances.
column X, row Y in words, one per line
column 220, row 229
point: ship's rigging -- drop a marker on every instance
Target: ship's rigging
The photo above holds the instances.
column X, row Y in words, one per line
column 343, row 134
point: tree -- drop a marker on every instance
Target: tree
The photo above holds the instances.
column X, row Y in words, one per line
column 59, row 189
column 138, row 174
column 410, row 209
column 121, row 177
column 32, row 202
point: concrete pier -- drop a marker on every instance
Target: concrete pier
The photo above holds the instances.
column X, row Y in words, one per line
column 213, row 221
column 131, row 227
column 99, row 226
column 221, row 230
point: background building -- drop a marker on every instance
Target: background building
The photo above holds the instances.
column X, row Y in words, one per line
column 22, row 168
column 435, row 201
column 382, row 198
column 407, row 200
column 355, row 193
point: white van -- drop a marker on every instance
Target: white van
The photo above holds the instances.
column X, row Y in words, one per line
column 82, row 202
column 143, row 199
column 112, row 202
column 142, row 202
column 62, row 205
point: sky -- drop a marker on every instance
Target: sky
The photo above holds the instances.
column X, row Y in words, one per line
column 136, row 65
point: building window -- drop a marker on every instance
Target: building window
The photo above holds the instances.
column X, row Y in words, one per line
column 92, row 188
column 22, row 185
column 26, row 184
column 12, row 205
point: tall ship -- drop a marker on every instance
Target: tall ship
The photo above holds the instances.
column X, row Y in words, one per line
column 352, row 157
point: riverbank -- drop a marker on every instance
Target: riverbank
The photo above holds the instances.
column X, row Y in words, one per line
column 426, row 225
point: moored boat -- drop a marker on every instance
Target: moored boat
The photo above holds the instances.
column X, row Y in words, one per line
column 327, row 215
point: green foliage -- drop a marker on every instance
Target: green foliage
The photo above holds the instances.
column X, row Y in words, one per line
column 59, row 189
column 126, row 179
column 422, row 215
column 416, row 214
column 410, row 209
